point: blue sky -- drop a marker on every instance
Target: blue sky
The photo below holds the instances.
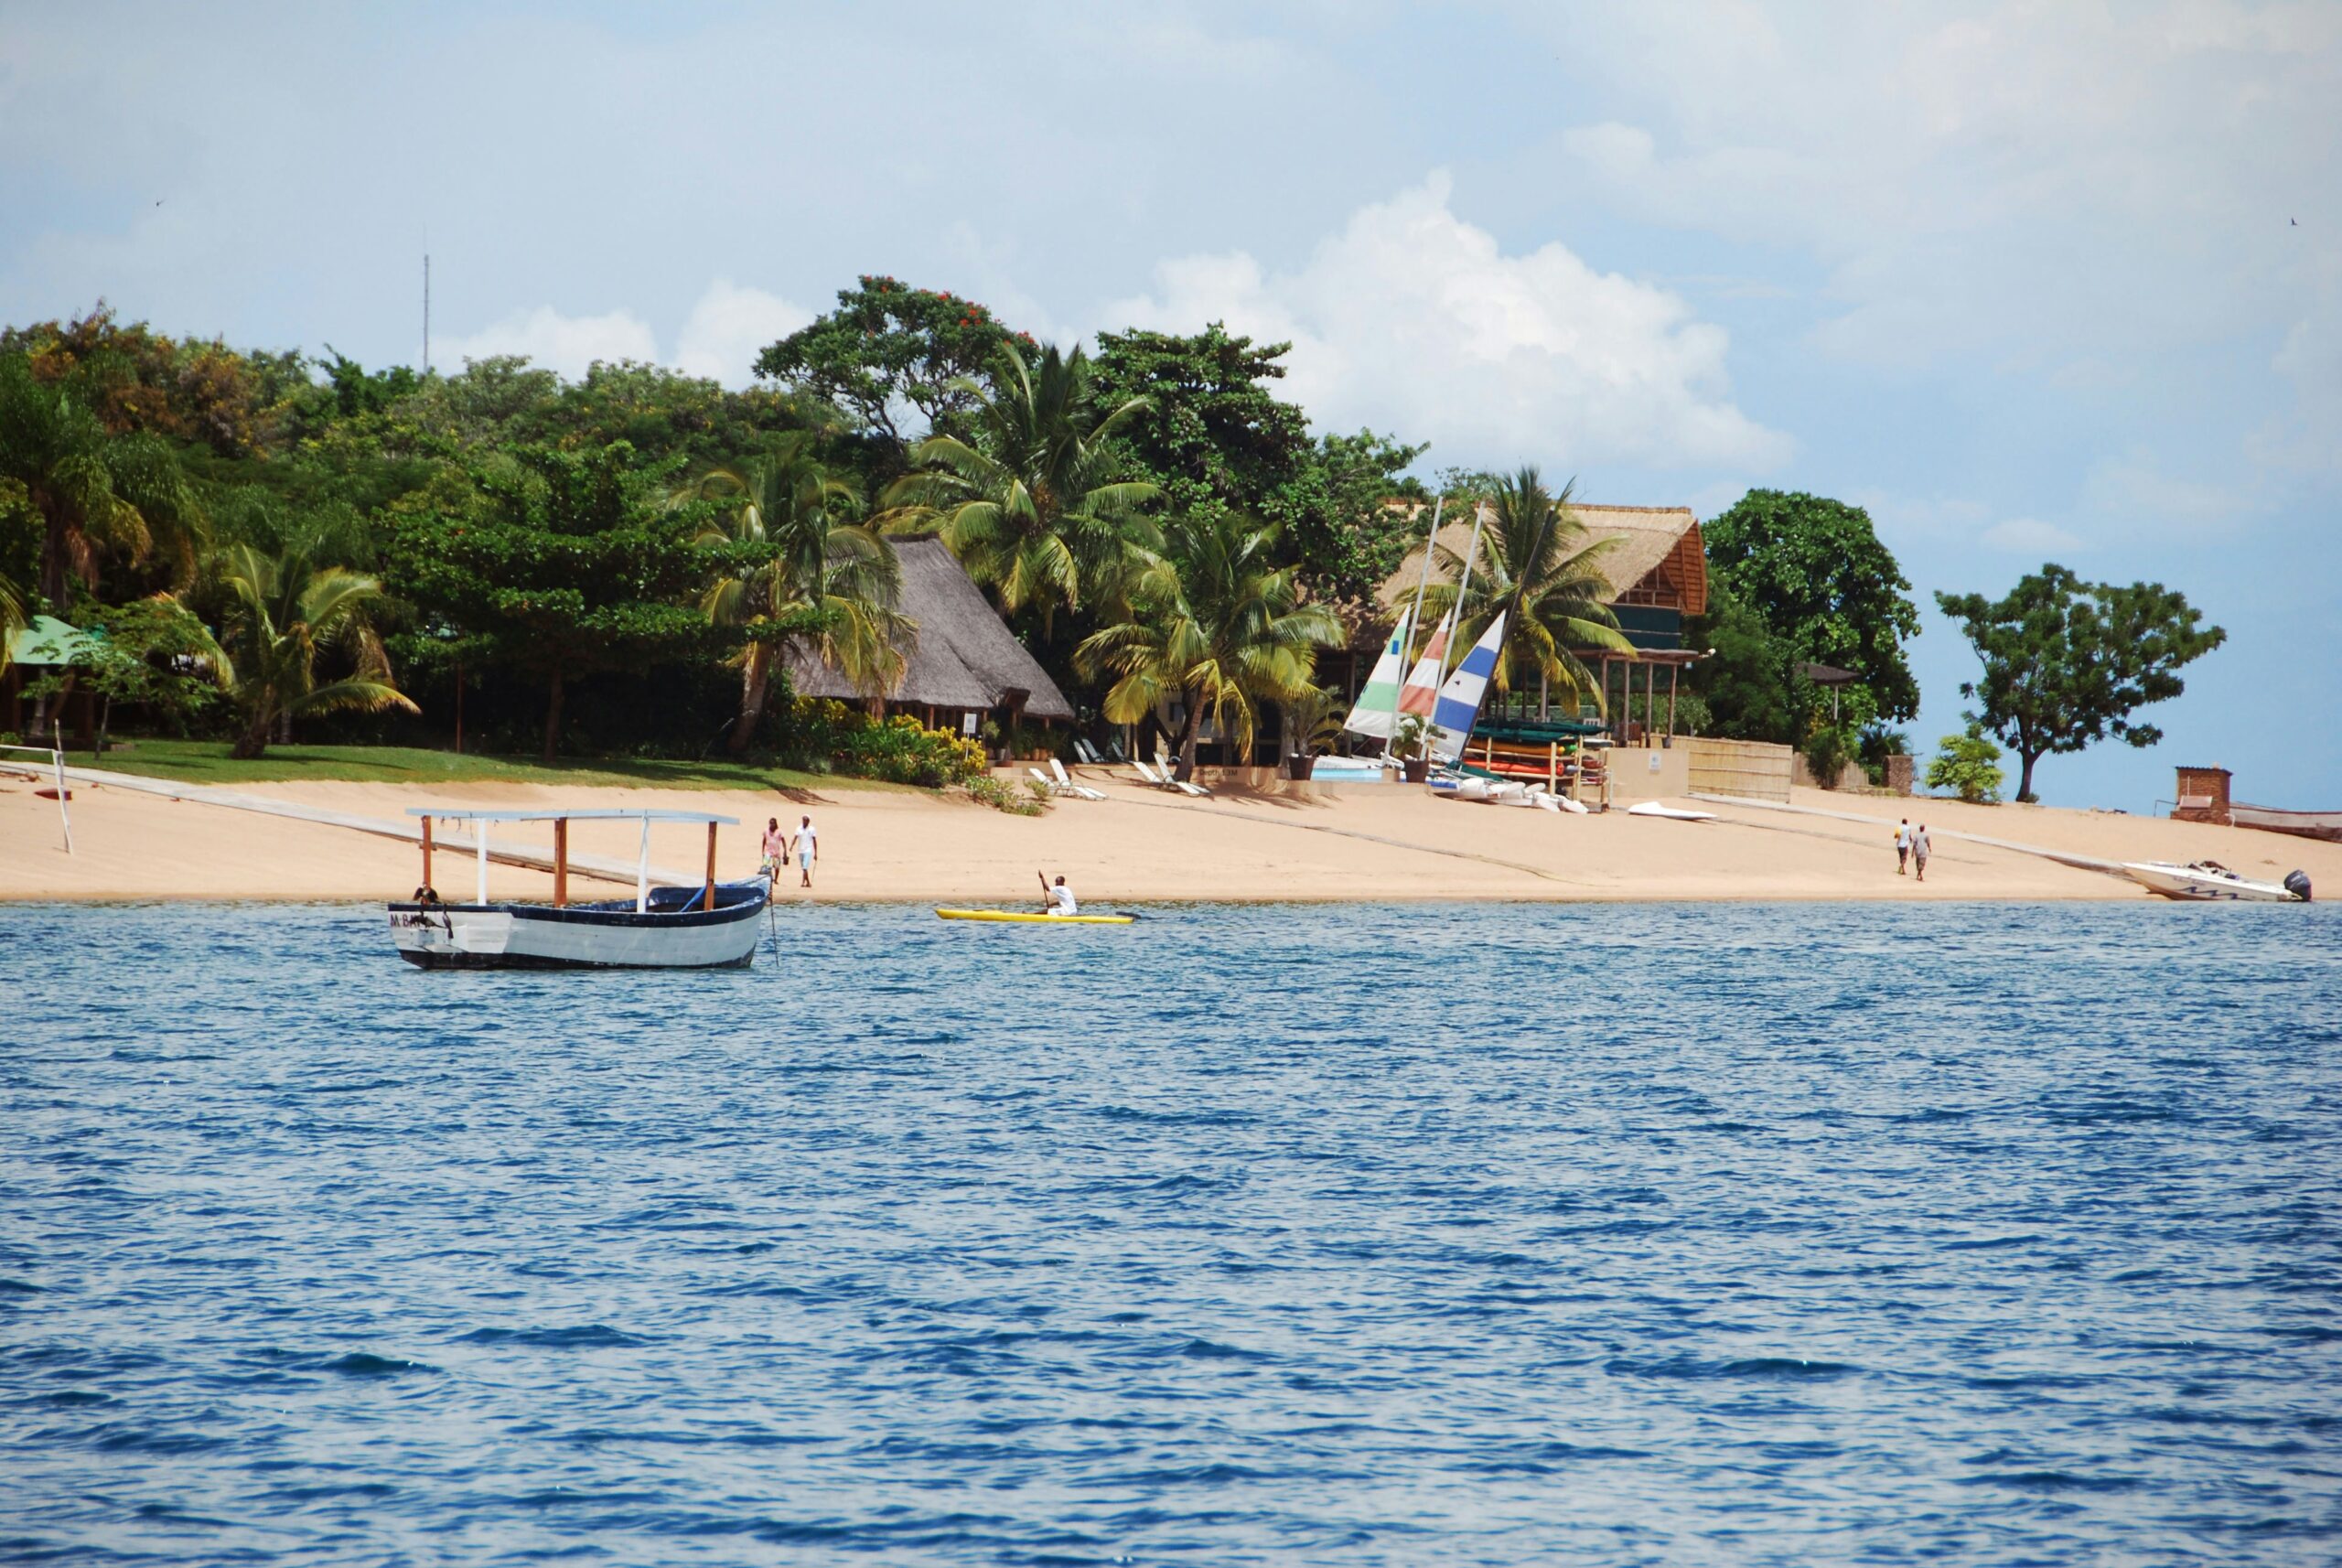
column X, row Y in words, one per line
column 2029, row 281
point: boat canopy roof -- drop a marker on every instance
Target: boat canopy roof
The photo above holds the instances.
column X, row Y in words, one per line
column 456, row 814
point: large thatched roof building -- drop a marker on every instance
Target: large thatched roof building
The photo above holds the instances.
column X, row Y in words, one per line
column 1657, row 566
column 963, row 659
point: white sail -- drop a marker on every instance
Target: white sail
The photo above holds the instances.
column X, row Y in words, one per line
column 1459, row 700
column 1378, row 701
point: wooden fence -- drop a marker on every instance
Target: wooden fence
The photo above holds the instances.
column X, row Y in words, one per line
column 1753, row 767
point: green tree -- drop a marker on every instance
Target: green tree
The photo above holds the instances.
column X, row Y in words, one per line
column 1828, row 591
column 1969, row 766
column 2067, row 662
column 901, row 360
column 282, row 612
column 1215, row 623
column 152, row 653
column 1033, row 502
column 93, row 490
column 1215, row 437
column 571, row 564
column 802, row 568
column 1535, row 567
column 1747, row 679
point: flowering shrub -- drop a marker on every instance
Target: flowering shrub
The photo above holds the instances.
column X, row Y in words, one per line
column 825, row 732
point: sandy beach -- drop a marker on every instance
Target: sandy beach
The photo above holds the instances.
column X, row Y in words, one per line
column 1358, row 842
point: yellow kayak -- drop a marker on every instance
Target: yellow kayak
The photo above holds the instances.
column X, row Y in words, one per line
column 1035, row 918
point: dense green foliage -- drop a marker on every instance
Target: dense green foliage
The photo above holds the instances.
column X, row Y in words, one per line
column 1827, row 592
column 1969, row 766
column 1213, row 624
column 905, row 362
column 2068, row 662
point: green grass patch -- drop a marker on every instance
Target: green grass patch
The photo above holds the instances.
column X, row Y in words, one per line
column 207, row 762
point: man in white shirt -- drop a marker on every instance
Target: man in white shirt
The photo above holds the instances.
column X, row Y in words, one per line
column 1060, row 897
column 807, row 847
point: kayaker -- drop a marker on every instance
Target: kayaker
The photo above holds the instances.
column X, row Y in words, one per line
column 1058, row 900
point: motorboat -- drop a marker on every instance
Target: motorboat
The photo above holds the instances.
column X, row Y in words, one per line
column 709, row 926
column 2209, row 879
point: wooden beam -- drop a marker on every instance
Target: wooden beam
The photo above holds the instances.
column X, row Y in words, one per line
column 1674, row 671
column 560, row 861
column 707, row 899
column 426, row 852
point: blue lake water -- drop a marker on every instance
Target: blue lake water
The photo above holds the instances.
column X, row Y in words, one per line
column 1728, row 1234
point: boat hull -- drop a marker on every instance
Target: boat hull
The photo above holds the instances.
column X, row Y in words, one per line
column 673, row 934
column 2325, row 826
column 2186, row 881
column 1022, row 917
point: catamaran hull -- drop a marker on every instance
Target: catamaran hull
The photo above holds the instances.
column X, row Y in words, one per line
column 535, row 935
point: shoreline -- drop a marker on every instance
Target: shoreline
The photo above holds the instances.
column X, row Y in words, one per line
column 154, row 842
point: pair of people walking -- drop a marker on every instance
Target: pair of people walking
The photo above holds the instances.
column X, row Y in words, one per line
column 804, row 844
column 1911, row 848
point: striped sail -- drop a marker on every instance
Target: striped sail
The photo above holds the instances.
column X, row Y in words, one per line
column 1378, row 699
column 1422, row 681
column 1459, row 700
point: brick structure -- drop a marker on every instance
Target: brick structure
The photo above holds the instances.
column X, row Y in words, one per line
column 2203, row 796
column 1898, row 774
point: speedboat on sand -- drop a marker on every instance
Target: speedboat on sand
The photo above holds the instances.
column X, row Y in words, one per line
column 2209, row 879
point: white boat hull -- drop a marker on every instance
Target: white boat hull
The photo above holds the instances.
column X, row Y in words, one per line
column 2195, row 882
column 673, row 934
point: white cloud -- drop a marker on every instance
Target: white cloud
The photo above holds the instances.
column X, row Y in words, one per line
column 569, row 344
column 727, row 329
column 2137, row 489
column 1412, row 320
column 2030, row 535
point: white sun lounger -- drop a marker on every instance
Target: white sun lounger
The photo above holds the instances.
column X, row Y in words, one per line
column 1086, row 752
column 1067, row 784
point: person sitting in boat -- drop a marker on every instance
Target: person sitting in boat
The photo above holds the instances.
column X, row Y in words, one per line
column 1059, row 898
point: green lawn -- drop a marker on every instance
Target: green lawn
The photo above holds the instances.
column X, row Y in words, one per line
column 207, row 762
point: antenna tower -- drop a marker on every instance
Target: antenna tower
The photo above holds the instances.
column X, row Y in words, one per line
column 427, row 313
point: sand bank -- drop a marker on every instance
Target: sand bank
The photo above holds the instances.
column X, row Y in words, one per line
column 1359, row 842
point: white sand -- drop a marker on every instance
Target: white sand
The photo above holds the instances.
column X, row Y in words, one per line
column 1360, row 842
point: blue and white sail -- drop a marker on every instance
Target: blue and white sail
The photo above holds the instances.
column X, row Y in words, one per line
column 1376, row 711
column 1459, row 700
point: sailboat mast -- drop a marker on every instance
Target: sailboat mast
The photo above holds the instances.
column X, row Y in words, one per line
column 1415, row 616
column 1463, row 586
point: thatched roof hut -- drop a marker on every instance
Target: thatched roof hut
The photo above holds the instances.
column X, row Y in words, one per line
column 1659, row 559
column 963, row 659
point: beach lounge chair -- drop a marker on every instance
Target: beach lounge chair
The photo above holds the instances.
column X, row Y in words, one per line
column 1054, row 788
column 1066, row 783
column 1086, row 752
column 1151, row 776
column 1171, row 779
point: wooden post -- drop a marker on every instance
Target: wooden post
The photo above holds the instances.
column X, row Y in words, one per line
column 426, row 852
column 1674, row 672
column 707, row 899
column 1553, row 766
column 560, row 861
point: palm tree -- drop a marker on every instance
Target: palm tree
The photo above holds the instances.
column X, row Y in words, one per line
column 93, row 490
column 12, row 619
column 820, row 577
column 1034, row 505
column 1213, row 622
column 1535, row 564
column 281, row 611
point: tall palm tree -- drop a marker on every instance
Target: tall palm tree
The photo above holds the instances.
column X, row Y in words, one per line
column 12, row 619
column 1214, row 622
column 281, row 611
column 823, row 577
column 92, row 488
column 1536, row 566
column 1034, row 505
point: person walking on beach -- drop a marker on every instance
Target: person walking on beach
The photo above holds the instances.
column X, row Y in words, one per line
column 1902, row 845
column 1919, row 851
column 807, row 847
column 776, row 851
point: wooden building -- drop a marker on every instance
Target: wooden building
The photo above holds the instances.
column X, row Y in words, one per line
column 963, row 664
column 1657, row 566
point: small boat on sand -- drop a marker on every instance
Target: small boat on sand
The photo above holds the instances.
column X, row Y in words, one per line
column 2325, row 825
column 712, row 926
column 2209, row 879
